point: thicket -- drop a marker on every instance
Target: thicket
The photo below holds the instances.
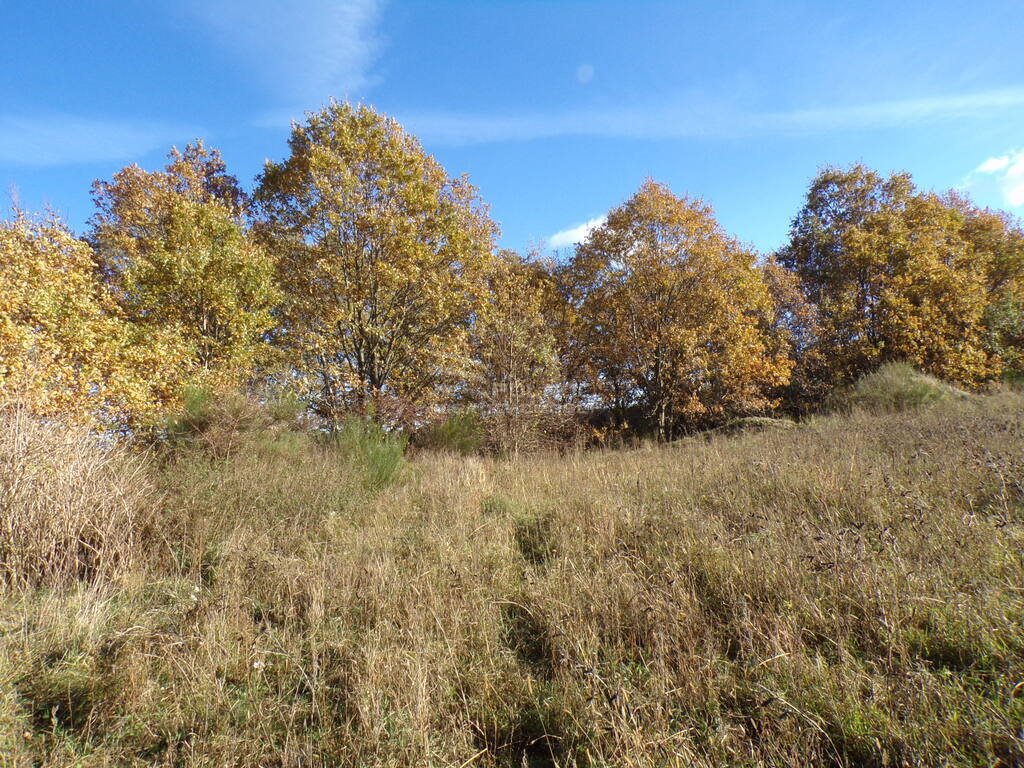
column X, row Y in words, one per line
column 363, row 280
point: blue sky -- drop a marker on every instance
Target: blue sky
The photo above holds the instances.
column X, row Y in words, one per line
column 557, row 111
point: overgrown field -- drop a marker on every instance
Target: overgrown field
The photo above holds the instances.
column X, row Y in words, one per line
column 849, row 591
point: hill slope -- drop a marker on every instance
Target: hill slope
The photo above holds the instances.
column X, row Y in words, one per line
column 845, row 592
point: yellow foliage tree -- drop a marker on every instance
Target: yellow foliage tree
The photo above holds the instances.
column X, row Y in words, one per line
column 892, row 276
column 173, row 249
column 932, row 304
column 673, row 316
column 382, row 259
column 517, row 364
column 64, row 351
column 998, row 242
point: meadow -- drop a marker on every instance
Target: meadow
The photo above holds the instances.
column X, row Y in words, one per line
column 847, row 590
column 327, row 465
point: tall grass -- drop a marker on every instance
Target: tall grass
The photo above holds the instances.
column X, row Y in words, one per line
column 842, row 592
column 70, row 507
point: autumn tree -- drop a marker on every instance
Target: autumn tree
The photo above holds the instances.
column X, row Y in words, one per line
column 173, row 248
column 515, row 381
column 795, row 330
column 1004, row 327
column 64, row 350
column 997, row 239
column 673, row 316
column 381, row 257
column 891, row 275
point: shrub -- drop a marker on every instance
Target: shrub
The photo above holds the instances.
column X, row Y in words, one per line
column 212, row 420
column 379, row 453
column 461, row 432
column 71, row 506
column 283, row 405
column 224, row 421
column 893, row 387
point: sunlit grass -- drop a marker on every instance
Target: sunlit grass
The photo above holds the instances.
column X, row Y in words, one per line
column 845, row 591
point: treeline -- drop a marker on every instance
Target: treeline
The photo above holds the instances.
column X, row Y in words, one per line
column 362, row 278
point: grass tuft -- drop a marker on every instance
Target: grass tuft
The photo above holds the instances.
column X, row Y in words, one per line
column 379, row 453
column 892, row 388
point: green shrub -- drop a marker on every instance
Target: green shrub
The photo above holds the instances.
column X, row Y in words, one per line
column 892, row 388
column 283, row 405
column 461, row 432
column 1014, row 380
column 217, row 421
column 224, row 421
column 194, row 416
column 380, row 454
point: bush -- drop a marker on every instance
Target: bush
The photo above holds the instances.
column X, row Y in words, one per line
column 71, row 505
column 1014, row 380
column 893, row 387
column 215, row 421
column 461, row 432
column 223, row 421
column 379, row 453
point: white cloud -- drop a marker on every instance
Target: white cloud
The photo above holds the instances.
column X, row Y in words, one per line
column 1013, row 182
column 308, row 52
column 695, row 118
column 1007, row 171
column 993, row 164
column 577, row 234
column 58, row 139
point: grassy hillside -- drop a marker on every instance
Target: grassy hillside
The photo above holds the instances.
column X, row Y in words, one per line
column 846, row 591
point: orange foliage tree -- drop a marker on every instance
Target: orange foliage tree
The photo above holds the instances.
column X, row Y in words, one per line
column 892, row 275
column 672, row 316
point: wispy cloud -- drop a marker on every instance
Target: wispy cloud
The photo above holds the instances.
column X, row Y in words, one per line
column 57, row 139
column 1007, row 171
column 695, row 118
column 885, row 114
column 307, row 52
column 576, row 234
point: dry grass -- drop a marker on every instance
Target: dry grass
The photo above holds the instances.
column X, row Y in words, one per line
column 846, row 592
column 69, row 507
